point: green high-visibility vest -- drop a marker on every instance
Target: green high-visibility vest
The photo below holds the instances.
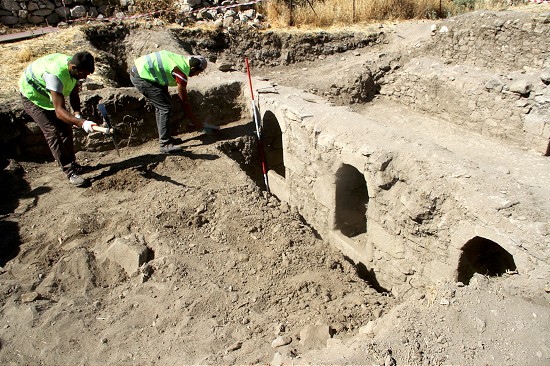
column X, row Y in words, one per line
column 33, row 86
column 157, row 67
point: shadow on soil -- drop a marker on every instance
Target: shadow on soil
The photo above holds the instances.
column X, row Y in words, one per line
column 369, row 276
column 145, row 165
column 14, row 189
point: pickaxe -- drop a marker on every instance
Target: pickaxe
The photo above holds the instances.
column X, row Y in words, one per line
column 109, row 130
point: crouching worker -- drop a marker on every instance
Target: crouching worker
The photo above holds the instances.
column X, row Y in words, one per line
column 44, row 85
column 152, row 74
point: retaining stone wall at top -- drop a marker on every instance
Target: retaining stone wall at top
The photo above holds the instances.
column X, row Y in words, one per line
column 500, row 41
column 486, row 72
column 53, row 12
column 36, row 12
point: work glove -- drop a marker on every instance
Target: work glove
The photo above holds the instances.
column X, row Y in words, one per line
column 88, row 126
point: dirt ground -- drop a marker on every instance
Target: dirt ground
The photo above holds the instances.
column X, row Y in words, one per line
column 233, row 276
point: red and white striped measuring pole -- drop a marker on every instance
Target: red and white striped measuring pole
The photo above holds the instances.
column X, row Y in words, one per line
column 255, row 111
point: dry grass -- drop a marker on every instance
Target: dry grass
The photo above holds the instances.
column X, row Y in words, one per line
column 278, row 13
column 331, row 12
column 24, row 55
column 316, row 13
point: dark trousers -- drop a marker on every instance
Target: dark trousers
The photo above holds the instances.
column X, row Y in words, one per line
column 58, row 134
column 160, row 98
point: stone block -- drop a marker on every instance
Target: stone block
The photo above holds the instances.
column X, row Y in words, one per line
column 301, row 136
column 389, row 273
column 438, row 271
column 291, row 116
column 383, row 180
column 368, row 328
column 315, row 336
column 534, row 124
column 34, row 19
column 359, row 253
column 325, row 141
column 9, row 20
column 128, row 253
column 78, row 11
column 324, row 190
column 494, row 84
column 521, row 86
column 353, row 158
column 278, row 186
column 294, row 163
column 10, row 5
column 381, row 160
column 384, row 241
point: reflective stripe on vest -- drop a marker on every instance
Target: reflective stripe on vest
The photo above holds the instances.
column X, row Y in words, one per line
column 157, row 67
column 31, row 79
column 153, row 70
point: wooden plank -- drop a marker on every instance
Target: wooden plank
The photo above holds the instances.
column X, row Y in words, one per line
column 27, row 34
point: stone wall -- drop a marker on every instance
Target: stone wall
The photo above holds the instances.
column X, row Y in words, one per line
column 487, row 73
column 420, row 214
column 53, row 12
column 500, row 41
column 36, row 12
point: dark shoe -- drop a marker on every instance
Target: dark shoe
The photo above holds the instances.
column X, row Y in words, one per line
column 170, row 149
column 175, row 141
column 77, row 168
column 77, row 180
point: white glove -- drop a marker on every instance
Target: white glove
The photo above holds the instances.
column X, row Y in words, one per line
column 87, row 126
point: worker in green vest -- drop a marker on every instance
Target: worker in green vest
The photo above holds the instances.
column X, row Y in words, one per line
column 44, row 85
column 152, row 74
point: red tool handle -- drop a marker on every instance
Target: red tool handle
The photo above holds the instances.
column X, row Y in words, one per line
column 249, row 79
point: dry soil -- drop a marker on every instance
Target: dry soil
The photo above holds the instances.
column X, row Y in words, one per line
column 233, row 276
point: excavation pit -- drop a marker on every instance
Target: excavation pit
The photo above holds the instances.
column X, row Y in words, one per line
column 373, row 204
column 377, row 203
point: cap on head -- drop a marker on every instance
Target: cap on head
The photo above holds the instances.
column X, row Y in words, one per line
column 83, row 60
column 197, row 62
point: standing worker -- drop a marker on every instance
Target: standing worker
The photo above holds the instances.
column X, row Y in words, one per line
column 44, row 85
column 152, row 74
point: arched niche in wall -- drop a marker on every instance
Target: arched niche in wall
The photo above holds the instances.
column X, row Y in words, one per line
column 272, row 138
column 483, row 256
column 351, row 201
